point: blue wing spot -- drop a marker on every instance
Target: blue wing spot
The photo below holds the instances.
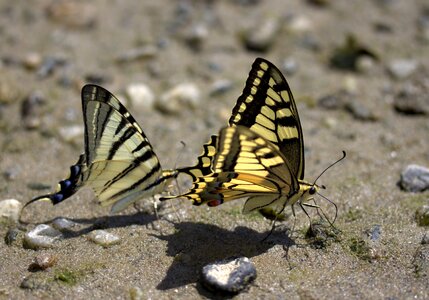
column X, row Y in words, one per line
column 74, row 171
column 57, row 198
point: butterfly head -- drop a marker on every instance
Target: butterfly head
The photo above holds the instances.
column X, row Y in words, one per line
column 309, row 190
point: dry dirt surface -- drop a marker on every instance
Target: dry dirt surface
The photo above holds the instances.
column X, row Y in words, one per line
column 359, row 71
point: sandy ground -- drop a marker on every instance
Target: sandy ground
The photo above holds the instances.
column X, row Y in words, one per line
column 162, row 257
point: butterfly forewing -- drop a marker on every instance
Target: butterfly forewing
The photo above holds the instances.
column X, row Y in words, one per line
column 266, row 106
column 120, row 158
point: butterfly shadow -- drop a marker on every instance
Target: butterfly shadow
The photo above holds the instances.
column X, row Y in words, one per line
column 194, row 245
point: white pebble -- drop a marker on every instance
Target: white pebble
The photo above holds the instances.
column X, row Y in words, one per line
column 174, row 100
column 402, row 68
column 10, row 210
column 42, row 236
column 63, row 224
column 70, row 133
column 140, row 95
column 103, row 238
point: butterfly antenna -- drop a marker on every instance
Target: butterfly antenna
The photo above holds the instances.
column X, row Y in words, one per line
column 330, row 166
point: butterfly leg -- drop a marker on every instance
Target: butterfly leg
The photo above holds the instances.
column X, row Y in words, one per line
column 273, row 226
column 303, row 209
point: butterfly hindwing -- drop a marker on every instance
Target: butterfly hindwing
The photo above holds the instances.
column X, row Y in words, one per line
column 245, row 165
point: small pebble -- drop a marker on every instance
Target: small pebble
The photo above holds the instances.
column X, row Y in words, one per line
column 421, row 262
column 136, row 293
column 347, row 55
column 414, row 178
column 229, row 275
column 137, row 53
column 425, row 239
column 300, row 24
column 49, row 65
column 42, row 236
column 360, row 112
column 196, row 37
column 103, row 238
column 32, row 61
column 34, row 281
column 182, row 96
column 74, row 14
column 12, row 173
column 262, row 36
column 374, row 233
column 30, row 110
column 402, row 68
column 290, row 66
column 43, row 261
column 247, row 2
column 319, row 2
column 13, row 236
column 8, row 92
column 140, row 96
column 220, row 87
column 422, row 215
column 71, row 133
column 62, row 224
column 336, row 100
column 365, row 64
column 412, row 100
column 10, row 210
column 95, row 78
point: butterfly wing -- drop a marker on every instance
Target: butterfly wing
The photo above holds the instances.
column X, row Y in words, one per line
column 267, row 107
column 245, row 165
column 119, row 162
column 204, row 161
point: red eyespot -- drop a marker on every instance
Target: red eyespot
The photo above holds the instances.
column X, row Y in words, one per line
column 214, row 203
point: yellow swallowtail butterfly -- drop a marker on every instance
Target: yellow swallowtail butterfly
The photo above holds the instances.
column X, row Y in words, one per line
column 119, row 163
column 261, row 155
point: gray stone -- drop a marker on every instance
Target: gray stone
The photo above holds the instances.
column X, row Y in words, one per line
column 402, row 68
column 63, row 224
column 261, row 37
column 182, row 96
column 220, row 87
column 10, row 210
column 290, row 66
column 412, row 100
column 360, row 112
column 230, row 275
column 103, row 238
column 421, row 261
column 425, row 239
column 140, row 96
column 41, row 237
column 414, row 178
